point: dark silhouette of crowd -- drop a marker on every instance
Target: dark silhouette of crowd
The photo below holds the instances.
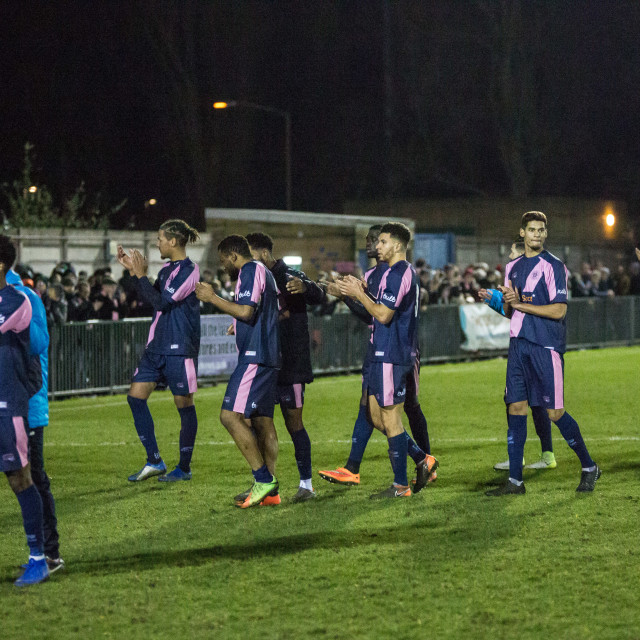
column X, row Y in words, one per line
column 75, row 296
column 69, row 295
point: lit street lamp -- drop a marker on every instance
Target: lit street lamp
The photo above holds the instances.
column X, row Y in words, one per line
column 287, row 134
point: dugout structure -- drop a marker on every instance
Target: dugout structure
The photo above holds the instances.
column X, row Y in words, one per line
column 324, row 241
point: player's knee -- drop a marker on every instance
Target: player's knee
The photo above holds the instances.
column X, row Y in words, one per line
column 225, row 419
column 182, row 402
column 19, row 480
column 518, row 408
column 555, row 414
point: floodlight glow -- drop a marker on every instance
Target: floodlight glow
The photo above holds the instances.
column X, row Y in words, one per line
column 220, row 105
column 33, row 189
column 610, row 220
column 292, row 261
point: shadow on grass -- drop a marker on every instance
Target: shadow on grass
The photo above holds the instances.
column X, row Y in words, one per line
column 247, row 551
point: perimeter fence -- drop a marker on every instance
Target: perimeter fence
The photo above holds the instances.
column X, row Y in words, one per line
column 100, row 357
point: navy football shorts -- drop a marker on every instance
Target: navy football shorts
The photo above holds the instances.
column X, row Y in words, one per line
column 251, row 390
column 388, row 382
column 413, row 385
column 534, row 374
column 290, row 396
column 14, row 444
column 180, row 374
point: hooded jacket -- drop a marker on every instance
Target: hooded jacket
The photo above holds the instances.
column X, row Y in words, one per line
column 39, row 336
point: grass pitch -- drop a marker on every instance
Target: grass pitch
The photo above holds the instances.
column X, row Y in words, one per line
column 155, row 560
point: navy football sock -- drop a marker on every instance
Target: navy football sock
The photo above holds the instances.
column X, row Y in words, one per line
column 31, row 505
column 542, row 423
column 362, row 431
column 188, row 431
column 302, row 452
column 516, row 437
column 262, row 474
column 418, row 426
column 144, row 426
column 398, row 457
column 571, row 433
column 413, row 450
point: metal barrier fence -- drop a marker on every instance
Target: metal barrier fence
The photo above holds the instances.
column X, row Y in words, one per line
column 100, row 357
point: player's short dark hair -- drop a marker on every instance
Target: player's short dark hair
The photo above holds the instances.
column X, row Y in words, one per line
column 397, row 231
column 235, row 244
column 180, row 230
column 533, row 215
column 375, row 228
column 259, row 240
column 7, row 252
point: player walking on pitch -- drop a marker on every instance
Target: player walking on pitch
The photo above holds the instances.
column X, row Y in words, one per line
column 350, row 474
column 38, row 419
column 296, row 292
column 394, row 347
column 171, row 354
column 251, row 391
column 535, row 298
column 541, row 420
column 15, row 389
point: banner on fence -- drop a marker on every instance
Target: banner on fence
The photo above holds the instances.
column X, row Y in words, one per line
column 483, row 328
column 218, row 354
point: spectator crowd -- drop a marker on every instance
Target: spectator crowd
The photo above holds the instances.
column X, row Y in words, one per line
column 75, row 296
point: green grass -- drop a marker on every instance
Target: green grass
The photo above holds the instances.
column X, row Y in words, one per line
column 151, row 560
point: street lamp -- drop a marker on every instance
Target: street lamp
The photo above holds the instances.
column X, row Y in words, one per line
column 287, row 134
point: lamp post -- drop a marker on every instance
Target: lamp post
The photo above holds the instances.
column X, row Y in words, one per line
column 287, row 135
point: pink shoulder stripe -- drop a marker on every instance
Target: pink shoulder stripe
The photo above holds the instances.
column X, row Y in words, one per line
column 259, row 281
column 20, row 319
column 188, row 286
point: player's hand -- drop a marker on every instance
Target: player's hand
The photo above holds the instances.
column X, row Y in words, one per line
column 230, row 330
column 331, row 288
column 139, row 264
column 123, row 258
column 351, row 286
column 204, row 292
column 511, row 295
column 484, row 295
column 295, row 285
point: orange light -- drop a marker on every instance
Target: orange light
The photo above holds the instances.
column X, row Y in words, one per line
column 610, row 220
column 33, row 189
column 220, row 105
column 152, row 201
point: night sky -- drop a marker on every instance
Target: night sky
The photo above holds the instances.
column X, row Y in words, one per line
column 388, row 100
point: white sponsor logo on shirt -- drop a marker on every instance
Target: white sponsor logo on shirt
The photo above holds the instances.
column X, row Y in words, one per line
column 1, row 319
column 244, row 294
column 249, row 353
column 175, row 346
column 379, row 353
column 254, row 405
column 389, row 298
column 171, row 290
column 3, row 405
column 562, row 292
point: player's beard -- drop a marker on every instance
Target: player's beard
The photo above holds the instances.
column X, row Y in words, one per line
column 232, row 272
